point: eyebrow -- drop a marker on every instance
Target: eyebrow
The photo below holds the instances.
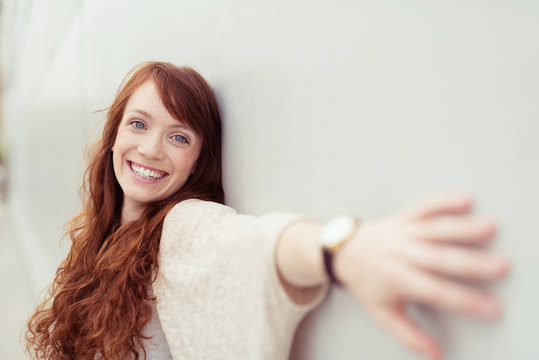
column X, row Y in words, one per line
column 147, row 114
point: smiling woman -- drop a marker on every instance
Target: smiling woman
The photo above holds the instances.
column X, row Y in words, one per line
column 164, row 119
column 160, row 268
column 153, row 155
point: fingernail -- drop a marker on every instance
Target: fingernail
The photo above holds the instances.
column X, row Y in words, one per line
column 487, row 227
column 464, row 198
column 488, row 308
column 497, row 265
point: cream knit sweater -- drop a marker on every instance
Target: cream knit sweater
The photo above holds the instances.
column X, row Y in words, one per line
column 218, row 292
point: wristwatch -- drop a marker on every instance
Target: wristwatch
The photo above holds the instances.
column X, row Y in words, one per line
column 334, row 235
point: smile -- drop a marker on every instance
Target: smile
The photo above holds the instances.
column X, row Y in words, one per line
column 150, row 174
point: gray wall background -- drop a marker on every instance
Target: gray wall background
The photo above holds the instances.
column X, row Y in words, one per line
column 328, row 107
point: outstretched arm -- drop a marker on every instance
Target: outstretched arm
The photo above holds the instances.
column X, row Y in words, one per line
column 418, row 255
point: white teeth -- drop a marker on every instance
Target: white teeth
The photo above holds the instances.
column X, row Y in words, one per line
column 146, row 173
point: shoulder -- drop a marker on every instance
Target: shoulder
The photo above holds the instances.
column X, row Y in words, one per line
column 194, row 208
column 199, row 206
column 192, row 214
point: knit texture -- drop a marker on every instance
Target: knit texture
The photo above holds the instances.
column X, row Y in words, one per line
column 218, row 291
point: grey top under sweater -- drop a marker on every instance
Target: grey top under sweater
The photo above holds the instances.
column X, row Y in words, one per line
column 156, row 347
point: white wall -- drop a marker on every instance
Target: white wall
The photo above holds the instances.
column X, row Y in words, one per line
column 328, row 107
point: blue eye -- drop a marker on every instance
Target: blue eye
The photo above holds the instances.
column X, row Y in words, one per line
column 138, row 124
column 180, row 139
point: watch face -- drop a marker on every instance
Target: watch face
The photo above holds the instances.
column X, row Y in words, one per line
column 337, row 230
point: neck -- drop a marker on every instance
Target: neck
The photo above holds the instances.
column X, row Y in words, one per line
column 131, row 211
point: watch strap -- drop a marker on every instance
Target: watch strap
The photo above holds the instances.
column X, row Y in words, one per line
column 328, row 264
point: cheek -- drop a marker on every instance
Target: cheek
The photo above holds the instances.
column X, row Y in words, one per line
column 116, row 161
column 115, row 164
column 183, row 169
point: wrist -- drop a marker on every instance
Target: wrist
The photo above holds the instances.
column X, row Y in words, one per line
column 333, row 238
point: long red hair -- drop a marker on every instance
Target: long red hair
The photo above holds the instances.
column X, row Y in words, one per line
column 98, row 303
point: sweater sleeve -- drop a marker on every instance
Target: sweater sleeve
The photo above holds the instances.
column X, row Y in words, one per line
column 218, row 283
column 272, row 226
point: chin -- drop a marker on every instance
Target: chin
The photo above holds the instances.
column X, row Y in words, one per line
column 142, row 200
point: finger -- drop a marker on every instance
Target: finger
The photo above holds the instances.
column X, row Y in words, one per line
column 455, row 261
column 449, row 295
column 462, row 229
column 399, row 324
column 438, row 204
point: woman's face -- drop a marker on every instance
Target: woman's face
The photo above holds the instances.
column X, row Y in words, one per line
column 154, row 153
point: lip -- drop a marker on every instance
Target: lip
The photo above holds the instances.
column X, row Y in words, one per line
column 140, row 178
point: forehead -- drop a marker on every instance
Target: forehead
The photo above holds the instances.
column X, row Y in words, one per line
column 146, row 98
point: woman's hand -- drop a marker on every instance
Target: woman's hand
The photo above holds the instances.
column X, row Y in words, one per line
column 418, row 256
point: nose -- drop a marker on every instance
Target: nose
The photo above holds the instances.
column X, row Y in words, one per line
column 151, row 147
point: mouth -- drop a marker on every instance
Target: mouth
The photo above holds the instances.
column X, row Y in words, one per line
column 147, row 172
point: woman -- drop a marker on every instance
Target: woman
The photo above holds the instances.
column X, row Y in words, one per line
column 160, row 268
